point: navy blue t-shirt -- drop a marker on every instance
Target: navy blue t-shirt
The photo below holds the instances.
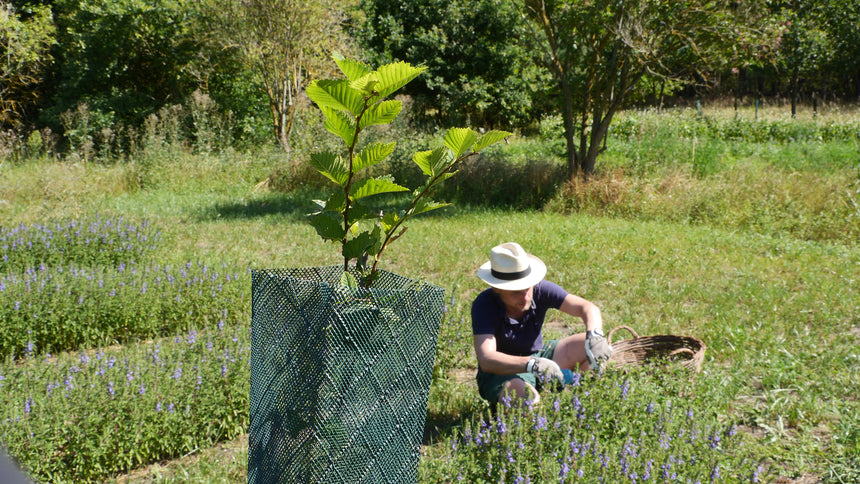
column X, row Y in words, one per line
column 516, row 337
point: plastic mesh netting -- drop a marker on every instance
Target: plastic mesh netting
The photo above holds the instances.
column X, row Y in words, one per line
column 339, row 377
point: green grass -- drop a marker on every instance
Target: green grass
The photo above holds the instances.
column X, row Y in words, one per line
column 778, row 307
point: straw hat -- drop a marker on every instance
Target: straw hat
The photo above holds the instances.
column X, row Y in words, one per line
column 511, row 269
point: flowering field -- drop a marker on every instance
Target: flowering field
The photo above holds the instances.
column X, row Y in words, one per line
column 115, row 361
column 638, row 426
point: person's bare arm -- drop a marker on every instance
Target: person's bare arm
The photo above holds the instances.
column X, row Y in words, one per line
column 493, row 361
column 581, row 308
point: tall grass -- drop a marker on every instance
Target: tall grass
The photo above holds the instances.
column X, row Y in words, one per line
column 737, row 174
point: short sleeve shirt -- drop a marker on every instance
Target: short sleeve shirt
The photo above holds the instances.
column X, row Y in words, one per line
column 516, row 337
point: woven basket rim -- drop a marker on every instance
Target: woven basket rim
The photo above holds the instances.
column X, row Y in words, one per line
column 640, row 349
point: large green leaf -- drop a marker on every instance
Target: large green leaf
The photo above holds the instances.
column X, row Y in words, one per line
column 356, row 247
column 374, row 186
column 389, row 220
column 422, row 159
column 352, row 69
column 395, row 75
column 331, row 165
column 381, row 113
column 359, row 212
column 460, row 140
column 434, row 162
column 425, row 205
column 372, row 154
column 491, row 137
column 340, row 124
column 366, row 84
column 336, row 201
column 336, row 94
column 329, row 225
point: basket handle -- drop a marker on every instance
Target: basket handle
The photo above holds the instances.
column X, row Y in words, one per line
column 628, row 328
column 679, row 351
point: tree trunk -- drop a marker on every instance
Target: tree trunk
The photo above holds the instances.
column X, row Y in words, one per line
column 793, row 93
column 569, row 125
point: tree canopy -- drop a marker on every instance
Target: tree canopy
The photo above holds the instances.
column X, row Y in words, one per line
column 25, row 43
column 490, row 63
column 600, row 51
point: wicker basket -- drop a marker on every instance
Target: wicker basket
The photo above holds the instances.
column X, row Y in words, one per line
column 687, row 350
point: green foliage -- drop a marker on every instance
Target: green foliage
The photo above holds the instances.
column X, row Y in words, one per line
column 119, row 56
column 283, row 43
column 26, row 38
column 477, row 75
column 616, row 45
column 349, row 106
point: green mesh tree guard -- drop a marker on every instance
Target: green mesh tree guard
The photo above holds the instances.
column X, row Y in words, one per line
column 339, row 376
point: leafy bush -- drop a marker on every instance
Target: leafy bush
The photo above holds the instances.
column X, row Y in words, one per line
column 67, row 308
column 93, row 241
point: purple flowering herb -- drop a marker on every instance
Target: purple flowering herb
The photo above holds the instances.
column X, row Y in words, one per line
column 110, row 389
column 756, row 472
column 562, row 474
column 142, row 390
column 713, row 441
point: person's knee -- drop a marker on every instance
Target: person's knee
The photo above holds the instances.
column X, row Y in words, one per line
column 518, row 390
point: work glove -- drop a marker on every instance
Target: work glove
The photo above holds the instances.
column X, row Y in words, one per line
column 546, row 371
column 597, row 348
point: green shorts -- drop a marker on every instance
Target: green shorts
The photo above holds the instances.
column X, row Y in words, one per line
column 490, row 385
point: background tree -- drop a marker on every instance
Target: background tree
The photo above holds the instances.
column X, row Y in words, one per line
column 285, row 43
column 476, row 74
column 599, row 51
column 24, row 57
column 804, row 48
column 123, row 58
